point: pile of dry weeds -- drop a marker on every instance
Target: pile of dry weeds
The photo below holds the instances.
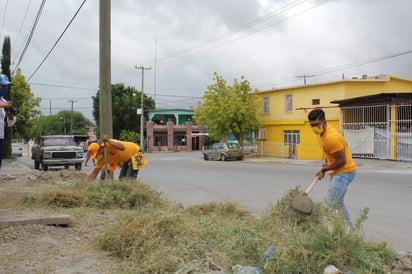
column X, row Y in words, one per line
column 157, row 236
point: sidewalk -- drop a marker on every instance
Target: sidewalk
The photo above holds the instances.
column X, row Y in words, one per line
column 371, row 163
column 13, row 167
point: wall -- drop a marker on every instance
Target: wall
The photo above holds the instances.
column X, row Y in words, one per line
column 278, row 120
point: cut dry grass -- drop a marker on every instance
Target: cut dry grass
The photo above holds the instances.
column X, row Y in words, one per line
column 157, row 236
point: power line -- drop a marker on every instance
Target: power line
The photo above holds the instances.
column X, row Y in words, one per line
column 22, row 24
column 4, row 18
column 338, row 68
column 62, row 86
column 219, row 41
column 26, row 45
column 57, row 41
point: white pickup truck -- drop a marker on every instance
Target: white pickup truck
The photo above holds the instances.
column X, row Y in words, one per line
column 57, row 150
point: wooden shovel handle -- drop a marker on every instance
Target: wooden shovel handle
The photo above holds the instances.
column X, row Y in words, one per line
column 106, row 171
column 311, row 185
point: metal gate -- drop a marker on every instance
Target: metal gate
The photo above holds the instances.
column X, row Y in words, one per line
column 379, row 131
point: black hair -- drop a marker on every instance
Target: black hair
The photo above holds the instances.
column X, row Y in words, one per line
column 316, row 114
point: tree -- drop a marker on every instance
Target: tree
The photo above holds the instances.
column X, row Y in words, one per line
column 60, row 124
column 5, row 69
column 228, row 109
column 129, row 136
column 125, row 101
column 27, row 104
column 5, row 59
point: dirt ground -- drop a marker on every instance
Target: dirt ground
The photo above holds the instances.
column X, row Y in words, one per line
column 64, row 249
column 50, row 249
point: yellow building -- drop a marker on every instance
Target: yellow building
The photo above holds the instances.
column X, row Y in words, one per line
column 284, row 128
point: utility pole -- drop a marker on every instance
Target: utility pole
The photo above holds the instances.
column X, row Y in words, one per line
column 71, row 115
column 105, row 81
column 304, row 77
column 141, row 105
column 154, row 78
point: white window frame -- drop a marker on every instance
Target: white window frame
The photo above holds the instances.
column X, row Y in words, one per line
column 266, row 105
column 288, row 103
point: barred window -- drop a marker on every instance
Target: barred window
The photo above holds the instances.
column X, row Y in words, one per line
column 291, row 137
column 315, row 101
column 266, row 105
column 288, row 102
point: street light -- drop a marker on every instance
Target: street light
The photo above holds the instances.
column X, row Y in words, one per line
column 141, row 107
column 64, row 123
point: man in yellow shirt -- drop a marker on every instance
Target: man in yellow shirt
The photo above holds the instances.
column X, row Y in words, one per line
column 339, row 162
column 118, row 153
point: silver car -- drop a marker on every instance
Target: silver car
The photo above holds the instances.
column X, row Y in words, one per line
column 224, row 151
column 16, row 149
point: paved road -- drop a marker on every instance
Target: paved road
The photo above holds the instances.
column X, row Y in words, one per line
column 384, row 187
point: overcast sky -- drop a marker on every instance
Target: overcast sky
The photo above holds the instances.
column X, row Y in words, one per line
column 269, row 42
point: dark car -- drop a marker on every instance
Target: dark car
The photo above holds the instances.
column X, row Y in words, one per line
column 224, row 151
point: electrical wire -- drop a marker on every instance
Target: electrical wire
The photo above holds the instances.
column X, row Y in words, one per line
column 22, row 24
column 220, row 40
column 30, row 35
column 4, row 18
column 337, row 68
column 57, row 41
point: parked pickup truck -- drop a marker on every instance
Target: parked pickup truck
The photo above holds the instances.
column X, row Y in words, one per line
column 224, row 151
column 57, row 150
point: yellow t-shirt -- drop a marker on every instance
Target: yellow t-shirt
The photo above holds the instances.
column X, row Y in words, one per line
column 332, row 141
column 116, row 157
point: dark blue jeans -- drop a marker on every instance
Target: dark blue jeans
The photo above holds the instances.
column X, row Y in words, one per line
column 2, row 149
column 127, row 171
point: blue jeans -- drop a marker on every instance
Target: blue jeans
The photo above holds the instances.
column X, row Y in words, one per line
column 337, row 189
column 127, row 171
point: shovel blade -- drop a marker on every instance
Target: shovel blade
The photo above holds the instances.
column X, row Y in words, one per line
column 302, row 203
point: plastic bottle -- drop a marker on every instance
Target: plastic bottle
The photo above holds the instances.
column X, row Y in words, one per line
column 268, row 254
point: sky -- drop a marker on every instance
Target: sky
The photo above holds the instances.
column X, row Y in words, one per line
column 272, row 43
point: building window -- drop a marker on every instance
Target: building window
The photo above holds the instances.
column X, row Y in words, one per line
column 291, row 137
column 160, row 140
column 262, row 134
column 315, row 101
column 288, row 102
column 179, row 140
column 266, row 105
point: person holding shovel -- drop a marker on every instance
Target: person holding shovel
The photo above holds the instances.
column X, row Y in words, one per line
column 118, row 153
column 339, row 162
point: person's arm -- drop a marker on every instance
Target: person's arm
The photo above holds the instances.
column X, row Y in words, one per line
column 93, row 174
column 11, row 119
column 116, row 145
column 339, row 161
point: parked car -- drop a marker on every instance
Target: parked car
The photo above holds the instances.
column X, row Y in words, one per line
column 16, row 149
column 57, row 150
column 248, row 147
column 224, row 151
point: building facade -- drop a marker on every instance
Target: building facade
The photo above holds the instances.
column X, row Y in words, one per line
column 284, row 128
column 173, row 130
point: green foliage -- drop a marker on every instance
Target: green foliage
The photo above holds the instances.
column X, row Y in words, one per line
column 129, row 136
column 125, row 101
column 61, row 123
column 5, row 69
column 157, row 236
column 228, row 109
column 27, row 104
column 6, row 57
